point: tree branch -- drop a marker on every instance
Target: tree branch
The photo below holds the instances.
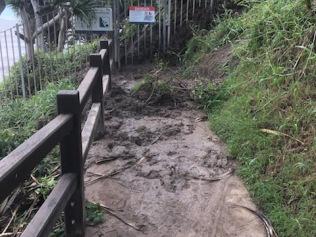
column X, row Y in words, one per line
column 49, row 23
column 23, row 37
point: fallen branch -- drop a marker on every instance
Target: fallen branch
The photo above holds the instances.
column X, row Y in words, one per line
column 10, row 221
column 9, row 201
column 277, row 133
column 156, row 140
column 267, row 224
column 115, row 172
column 108, row 159
column 112, row 158
column 112, row 213
column 9, row 234
column 151, row 94
column 35, row 180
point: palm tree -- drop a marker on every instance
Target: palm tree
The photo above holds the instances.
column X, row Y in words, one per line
column 83, row 9
column 32, row 11
column 24, row 8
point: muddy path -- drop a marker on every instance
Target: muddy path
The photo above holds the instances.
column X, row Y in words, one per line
column 160, row 171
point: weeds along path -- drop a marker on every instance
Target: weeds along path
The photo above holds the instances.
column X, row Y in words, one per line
column 159, row 170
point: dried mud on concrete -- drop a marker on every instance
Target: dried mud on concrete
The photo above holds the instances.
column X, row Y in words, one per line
column 160, row 171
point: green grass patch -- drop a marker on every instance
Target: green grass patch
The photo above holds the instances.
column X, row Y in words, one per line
column 266, row 109
column 20, row 118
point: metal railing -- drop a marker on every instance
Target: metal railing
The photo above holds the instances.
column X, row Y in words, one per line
column 28, row 65
column 65, row 129
column 135, row 42
column 22, row 75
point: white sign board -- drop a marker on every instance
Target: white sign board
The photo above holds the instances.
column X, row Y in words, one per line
column 102, row 22
column 142, row 15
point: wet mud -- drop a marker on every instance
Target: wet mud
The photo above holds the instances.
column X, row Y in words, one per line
column 159, row 171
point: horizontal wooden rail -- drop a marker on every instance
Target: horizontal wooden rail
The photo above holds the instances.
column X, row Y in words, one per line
column 106, row 84
column 90, row 128
column 43, row 221
column 86, row 85
column 65, row 129
column 17, row 166
column 103, row 53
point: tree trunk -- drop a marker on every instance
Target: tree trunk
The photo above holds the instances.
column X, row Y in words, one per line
column 28, row 34
column 38, row 23
column 62, row 32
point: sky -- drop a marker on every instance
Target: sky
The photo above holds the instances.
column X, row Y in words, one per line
column 7, row 18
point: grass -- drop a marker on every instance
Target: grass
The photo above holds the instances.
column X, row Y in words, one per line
column 20, row 118
column 153, row 87
column 266, row 108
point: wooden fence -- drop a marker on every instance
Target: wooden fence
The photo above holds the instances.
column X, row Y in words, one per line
column 65, row 129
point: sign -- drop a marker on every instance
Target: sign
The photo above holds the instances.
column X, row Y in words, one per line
column 142, row 15
column 102, row 22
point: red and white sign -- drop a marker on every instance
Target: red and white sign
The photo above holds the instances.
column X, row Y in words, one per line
column 143, row 15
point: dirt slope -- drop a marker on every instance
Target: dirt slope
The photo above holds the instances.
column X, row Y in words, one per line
column 161, row 172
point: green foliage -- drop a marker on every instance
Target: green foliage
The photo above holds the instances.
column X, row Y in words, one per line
column 273, row 87
column 49, row 67
column 20, row 118
column 202, row 42
column 129, row 30
column 84, row 9
column 94, row 214
column 46, row 184
column 145, row 83
column 208, row 95
column 152, row 86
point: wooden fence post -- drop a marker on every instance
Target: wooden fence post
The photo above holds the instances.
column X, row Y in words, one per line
column 72, row 162
column 104, row 44
column 97, row 91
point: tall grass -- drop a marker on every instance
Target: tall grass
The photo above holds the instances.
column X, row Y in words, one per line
column 20, row 118
column 266, row 109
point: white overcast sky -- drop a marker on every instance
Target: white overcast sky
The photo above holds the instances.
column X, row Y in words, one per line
column 8, row 18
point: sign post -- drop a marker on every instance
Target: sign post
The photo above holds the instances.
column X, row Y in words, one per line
column 103, row 22
column 142, row 15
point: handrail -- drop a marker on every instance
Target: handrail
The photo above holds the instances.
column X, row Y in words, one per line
column 65, row 129
column 87, row 84
column 16, row 166
column 52, row 207
column 89, row 128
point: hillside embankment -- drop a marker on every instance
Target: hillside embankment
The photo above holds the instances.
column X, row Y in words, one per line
column 261, row 101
